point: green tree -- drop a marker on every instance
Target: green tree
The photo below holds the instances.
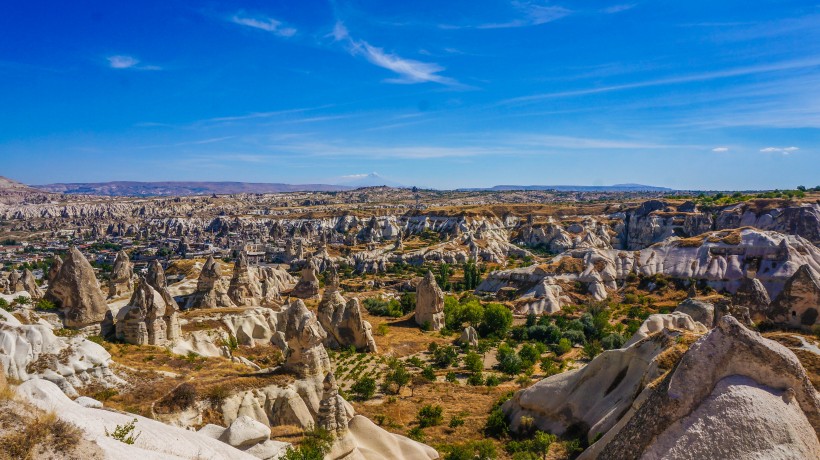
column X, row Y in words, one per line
column 473, row 362
column 497, row 320
column 430, row 415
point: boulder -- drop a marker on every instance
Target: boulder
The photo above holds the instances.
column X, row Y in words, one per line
column 700, row 311
column 469, row 336
column 660, row 321
column 245, row 432
column 76, row 290
column 429, row 303
column 15, row 283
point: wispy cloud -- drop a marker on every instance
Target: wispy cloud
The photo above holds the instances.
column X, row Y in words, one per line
column 619, row 8
column 720, row 149
column 265, row 23
column 409, row 70
column 528, row 14
column 121, row 61
column 705, row 76
column 783, row 150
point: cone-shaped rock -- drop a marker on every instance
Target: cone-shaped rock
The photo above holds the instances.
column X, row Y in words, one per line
column 429, row 303
column 76, row 290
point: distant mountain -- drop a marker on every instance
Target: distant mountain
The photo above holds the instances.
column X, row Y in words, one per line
column 126, row 188
column 369, row 180
column 12, row 192
column 582, row 188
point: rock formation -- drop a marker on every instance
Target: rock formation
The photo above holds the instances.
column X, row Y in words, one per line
column 29, row 351
column 798, row 304
column 734, row 394
column 54, row 269
column 752, row 295
column 122, row 276
column 306, row 356
column 429, row 303
column 29, row 284
column 142, row 321
column 156, row 279
column 700, row 311
column 14, row 283
column 211, row 291
column 76, row 291
column 469, row 336
column 308, row 285
column 660, row 321
column 343, row 322
column 244, row 290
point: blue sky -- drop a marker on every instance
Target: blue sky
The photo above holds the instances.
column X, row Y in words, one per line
column 692, row 95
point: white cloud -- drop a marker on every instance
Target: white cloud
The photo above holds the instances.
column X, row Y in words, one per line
column 409, row 70
column 720, row 149
column 783, row 150
column 122, row 61
column 264, row 23
column 619, row 8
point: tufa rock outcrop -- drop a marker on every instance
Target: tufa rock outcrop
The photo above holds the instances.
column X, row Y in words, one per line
column 76, row 290
column 308, row 285
column 343, row 322
column 752, row 294
column 156, row 279
column 211, row 291
column 30, row 284
column 142, row 321
column 797, row 305
column 244, row 290
column 122, row 276
column 429, row 303
column 733, row 394
column 306, row 356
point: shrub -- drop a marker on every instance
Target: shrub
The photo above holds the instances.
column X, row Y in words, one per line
column 430, row 415
column 398, row 377
column 216, row 394
column 382, row 329
column 364, row 388
column 125, row 433
column 180, row 398
column 497, row 425
column 473, row 362
column 475, row 379
column 45, row 305
column 4, row 304
column 575, row 336
column 428, row 373
column 416, row 433
column 446, row 356
column 451, row 377
column 592, row 349
column 613, row 341
column 314, row 446
column 563, row 346
column 492, row 381
column 25, row 441
column 456, row 421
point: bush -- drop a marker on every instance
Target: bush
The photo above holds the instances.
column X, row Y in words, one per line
column 45, row 305
column 380, row 307
column 575, row 336
column 456, row 421
column 364, row 388
column 428, row 373
column 497, row 425
column 21, row 300
column 28, row 440
column 475, row 379
column 563, row 346
column 592, row 349
column 180, row 398
column 314, row 446
column 4, row 304
column 613, row 341
column 473, row 362
column 398, row 376
column 125, row 433
column 451, row 377
column 492, row 381
column 446, row 356
column 430, row 415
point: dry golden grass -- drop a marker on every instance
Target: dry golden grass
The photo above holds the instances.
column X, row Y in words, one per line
column 39, row 433
column 404, row 337
column 155, row 372
column 809, row 359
